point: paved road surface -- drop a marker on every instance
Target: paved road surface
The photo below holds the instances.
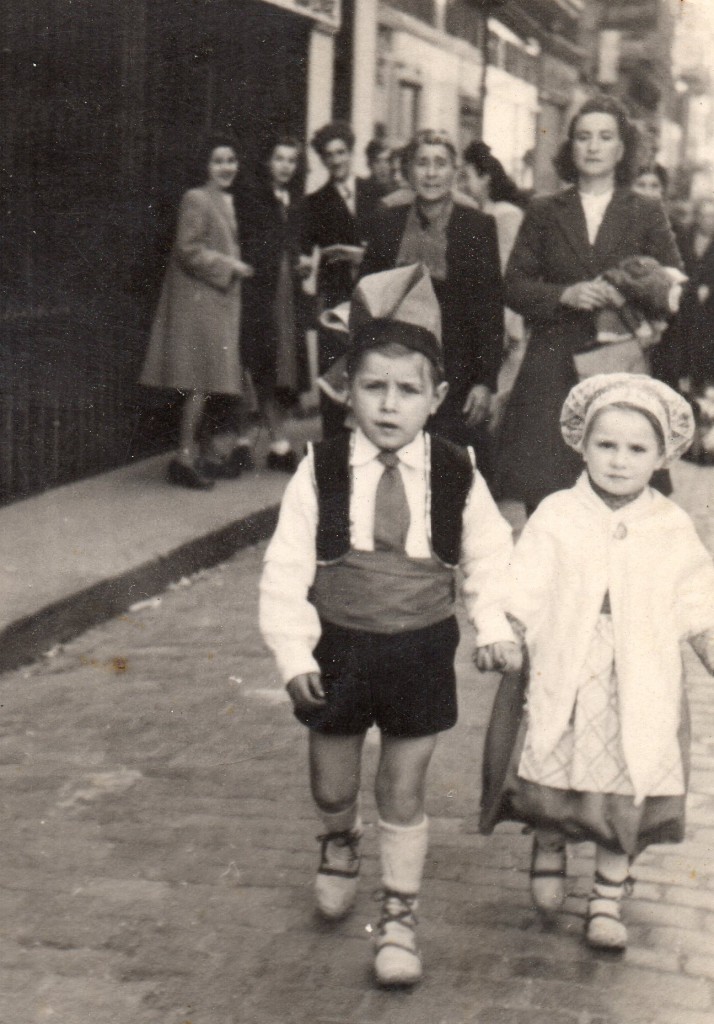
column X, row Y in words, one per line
column 158, row 849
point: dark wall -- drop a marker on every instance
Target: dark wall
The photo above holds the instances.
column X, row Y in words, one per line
column 103, row 102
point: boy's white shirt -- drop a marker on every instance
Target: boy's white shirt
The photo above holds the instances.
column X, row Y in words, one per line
column 289, row 622
column 660, row 579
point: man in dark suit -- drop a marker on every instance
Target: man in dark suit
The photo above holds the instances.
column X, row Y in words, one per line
column 336, row 222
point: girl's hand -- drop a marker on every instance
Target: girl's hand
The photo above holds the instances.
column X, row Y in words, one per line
column 590, row 295
column 243, row 270
column 306, row 691
column 503, row 656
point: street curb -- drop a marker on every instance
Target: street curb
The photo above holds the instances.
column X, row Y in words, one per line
column 28, row 638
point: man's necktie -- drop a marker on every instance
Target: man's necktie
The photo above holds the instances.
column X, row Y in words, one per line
column 391, row 510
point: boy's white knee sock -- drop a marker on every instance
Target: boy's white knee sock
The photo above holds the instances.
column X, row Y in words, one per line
column 348, row 820
column 403, row 853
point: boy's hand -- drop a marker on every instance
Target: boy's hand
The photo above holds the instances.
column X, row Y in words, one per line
column 306, row 691
column 504, row 656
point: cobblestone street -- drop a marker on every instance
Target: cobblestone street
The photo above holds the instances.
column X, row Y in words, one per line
column 159, row 846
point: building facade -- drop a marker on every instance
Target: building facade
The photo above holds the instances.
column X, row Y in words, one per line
column 103, row 104
column 507, row 72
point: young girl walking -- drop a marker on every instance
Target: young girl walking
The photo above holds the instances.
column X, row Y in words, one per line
column 607, row 578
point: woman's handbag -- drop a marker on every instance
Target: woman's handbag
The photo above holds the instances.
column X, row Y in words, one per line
column 613, row 357
column 501, row 735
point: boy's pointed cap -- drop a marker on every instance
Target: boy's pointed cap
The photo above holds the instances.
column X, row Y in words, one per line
column 404, row 296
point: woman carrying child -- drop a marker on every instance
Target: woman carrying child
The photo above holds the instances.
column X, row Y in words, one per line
column 357, row 599
column 607, row 578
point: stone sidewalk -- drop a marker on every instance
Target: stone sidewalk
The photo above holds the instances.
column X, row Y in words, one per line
column 159, row 845
column 75, row 555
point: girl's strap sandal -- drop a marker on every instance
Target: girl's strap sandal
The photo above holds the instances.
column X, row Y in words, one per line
column 548, row 872
column 604, row 929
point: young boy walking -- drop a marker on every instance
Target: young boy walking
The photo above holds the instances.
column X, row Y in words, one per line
column 357, row 600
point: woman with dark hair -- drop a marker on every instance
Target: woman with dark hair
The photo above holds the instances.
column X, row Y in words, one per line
column 458, row 246
column 272, row 336
column 194, row 337
column 651, row 181
column 566, row 242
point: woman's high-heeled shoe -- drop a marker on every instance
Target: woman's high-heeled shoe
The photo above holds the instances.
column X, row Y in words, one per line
column 183, row 475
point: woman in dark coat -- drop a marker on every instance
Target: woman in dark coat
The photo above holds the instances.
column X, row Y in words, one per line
column 697, row 317
column 272, row 337
column 459, row 247
column 566, row 241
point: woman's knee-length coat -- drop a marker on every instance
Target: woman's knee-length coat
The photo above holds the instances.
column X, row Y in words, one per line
column 194, row 342
column 471, row 297
column 551, row 252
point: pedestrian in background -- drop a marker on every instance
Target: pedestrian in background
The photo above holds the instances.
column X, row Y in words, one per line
column 553, row 279
column 484, row 178
column 379, row 182
column 357, row 600
column 273, row 324
column 608, row 578
column 651, row 181
column 335, row 223
column 194, row 337
column 697, row 315
column 459, row 247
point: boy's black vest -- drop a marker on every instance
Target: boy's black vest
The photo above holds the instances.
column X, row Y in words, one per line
column 388, row 592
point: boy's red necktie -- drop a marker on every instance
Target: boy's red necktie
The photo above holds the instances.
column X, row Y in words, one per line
column 391, row 510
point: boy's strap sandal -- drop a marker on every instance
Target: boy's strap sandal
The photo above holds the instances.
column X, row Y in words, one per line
column 398, row 962
column 338, row 873
column 548, row 872
column 604, row 930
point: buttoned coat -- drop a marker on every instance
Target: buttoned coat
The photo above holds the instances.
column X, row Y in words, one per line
column 660, row 581
column 552, row 251
column 270, row 233
column 194, row 344
column 471, row 297
column 696, row 320
column 327, row 220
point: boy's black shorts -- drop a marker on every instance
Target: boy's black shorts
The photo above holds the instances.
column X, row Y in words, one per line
column 402, row 682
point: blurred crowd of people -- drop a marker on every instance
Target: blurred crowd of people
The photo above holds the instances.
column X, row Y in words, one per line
column 519, row 281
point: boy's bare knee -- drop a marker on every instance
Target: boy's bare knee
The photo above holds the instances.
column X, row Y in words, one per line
column 335, row 773
column 398, row 801
column 333, row 802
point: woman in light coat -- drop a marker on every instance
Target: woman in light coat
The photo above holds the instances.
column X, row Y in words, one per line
column 194, row 338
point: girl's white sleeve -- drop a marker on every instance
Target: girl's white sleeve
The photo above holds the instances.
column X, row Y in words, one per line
column 486, row 546
column 289, row 623
column 532, row 571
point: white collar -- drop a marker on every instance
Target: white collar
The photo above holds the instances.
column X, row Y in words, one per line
column 596, row 199
column 637, row 509
column 363, row 451
column 349, row 183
